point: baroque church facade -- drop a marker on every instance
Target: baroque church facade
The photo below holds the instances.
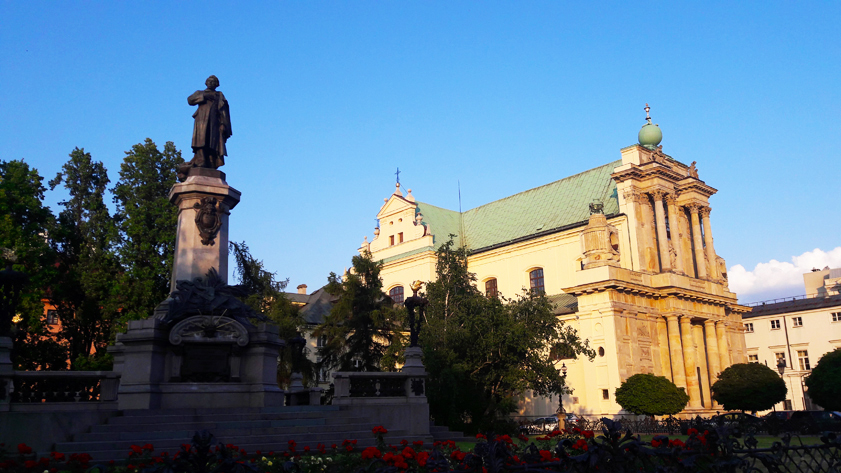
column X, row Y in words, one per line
column 625, row 253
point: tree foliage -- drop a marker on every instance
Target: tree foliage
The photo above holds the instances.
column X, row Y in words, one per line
column 484, row 353
column 266, row 296
column 647, row 394
column 362, row 322
column 147, row 226
column 749, row 387
column 824, row 382
column 83, row 239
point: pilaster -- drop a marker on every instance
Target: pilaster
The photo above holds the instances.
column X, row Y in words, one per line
column 675, row 232
column 663, row 349
column 723, row 344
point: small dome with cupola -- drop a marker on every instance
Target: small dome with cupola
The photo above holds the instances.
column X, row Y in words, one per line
column 650, row 135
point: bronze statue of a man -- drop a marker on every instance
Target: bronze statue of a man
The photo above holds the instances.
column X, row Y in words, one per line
column 212, row 126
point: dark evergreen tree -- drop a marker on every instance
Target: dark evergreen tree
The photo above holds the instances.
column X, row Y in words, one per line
column 749, row 387
column 824, row 382
column 648, row 394
column 83, row 241
column 362, row 323
column 147, row 227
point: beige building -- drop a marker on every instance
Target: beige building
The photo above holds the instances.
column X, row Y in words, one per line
column 797, row 331
column 625, row 250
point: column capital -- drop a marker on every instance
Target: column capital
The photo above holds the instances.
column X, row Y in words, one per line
column 671, row 198
column 705, row 211
column 694, row 207
column 631, row 195
column 658, row 194
column 709, row 323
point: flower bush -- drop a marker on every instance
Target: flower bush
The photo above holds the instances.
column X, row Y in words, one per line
column 561, row 450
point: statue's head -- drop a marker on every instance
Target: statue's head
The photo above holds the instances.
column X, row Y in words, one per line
column 212, row 82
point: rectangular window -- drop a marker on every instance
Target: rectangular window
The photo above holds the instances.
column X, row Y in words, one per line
column 781, row 356
column 400, row 237
column 321, row 341
column 605, row 394
column 490, row 288
column 803, row 358
column 391, row 240
column 749, row 327
column 836, row 316
column 536, row 281
column 787, row 405
column 775, row 325
column 52, row 317
column 797, row 321
column 753, row 358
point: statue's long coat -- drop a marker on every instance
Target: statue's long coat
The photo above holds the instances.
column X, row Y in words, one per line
column 208, row 117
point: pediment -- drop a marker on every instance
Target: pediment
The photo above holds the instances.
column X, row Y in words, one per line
column 395, row 205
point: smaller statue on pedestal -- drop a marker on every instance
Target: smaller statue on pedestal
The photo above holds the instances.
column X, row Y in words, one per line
column 415, row 321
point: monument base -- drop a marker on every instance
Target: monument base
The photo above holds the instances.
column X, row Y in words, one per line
column 163, row 371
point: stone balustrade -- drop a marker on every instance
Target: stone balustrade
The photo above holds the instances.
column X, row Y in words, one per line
column 64, row 386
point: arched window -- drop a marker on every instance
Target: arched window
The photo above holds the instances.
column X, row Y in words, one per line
column 490, row 288
column 396, row 294
column 536, row 281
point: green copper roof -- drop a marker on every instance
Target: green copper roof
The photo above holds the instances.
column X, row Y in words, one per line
column 542, row 209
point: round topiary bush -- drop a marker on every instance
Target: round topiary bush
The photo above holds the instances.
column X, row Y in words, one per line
column 824, row 382
column 749, row 387
column 647, row 394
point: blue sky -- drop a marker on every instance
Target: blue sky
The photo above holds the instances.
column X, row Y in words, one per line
column 328, row 98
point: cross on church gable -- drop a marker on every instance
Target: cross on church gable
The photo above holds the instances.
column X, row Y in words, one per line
column 394, row 206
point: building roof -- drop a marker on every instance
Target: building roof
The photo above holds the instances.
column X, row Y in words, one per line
column 316, row 305
column 797, row 305
column 545, row 209
column 564, row 303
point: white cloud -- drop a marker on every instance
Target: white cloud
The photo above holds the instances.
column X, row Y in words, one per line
column 781, row 278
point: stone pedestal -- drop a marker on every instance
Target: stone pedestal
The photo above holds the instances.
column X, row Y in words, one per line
column 195, row 253
column 155, row 364
column 413, row 365
column 6, row 373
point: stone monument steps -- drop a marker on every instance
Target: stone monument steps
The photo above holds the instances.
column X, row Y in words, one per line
column 119, row 449
column 153, row 418
column 106, row 431
column 442, row 432
column 237, row 411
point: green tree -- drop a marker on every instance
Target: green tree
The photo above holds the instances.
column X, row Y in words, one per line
column 266, row 296
column 25, row 224
column 824, row 382
column 647, row 394
column 483, row 353
column 362, row 323
column 147, row 226
column 83, row 241
column 749, row 387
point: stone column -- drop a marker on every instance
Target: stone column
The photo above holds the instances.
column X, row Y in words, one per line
column 699, row 243
column 678, row 375
column 663, row 343
column 662, row 239
column 708, row 241
column 650, row 254
column 674, row 230
column 712, row 349
column 692, row 387
column 701, row 359
column 723, row 344
column 712, row 354
column 196, row 249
